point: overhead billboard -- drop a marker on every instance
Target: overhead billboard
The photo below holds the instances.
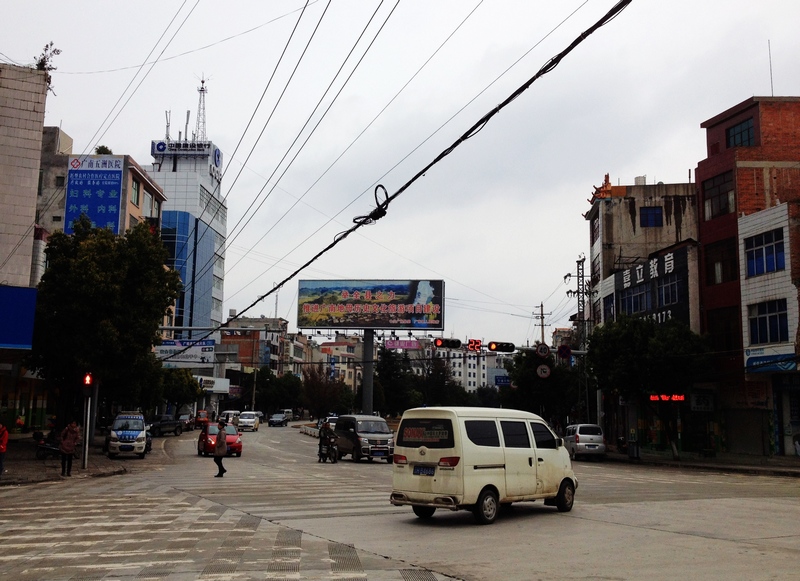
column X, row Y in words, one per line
column 94, row 186
column 371, row 304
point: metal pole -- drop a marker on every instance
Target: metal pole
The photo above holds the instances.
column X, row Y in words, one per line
column 86, row 436
column 369, row 366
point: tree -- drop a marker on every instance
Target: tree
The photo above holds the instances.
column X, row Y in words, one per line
column 103, row 150
column 44, row 62
column 321, row 394
column 179, row 387
column 394, row 381
column 100, row 303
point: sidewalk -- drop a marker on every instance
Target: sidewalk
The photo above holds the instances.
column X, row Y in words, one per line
column 22, row 467
column 722, row 462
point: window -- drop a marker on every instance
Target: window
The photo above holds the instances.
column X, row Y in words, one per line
column 651, row 217
column 721, row 262
column 718, row 196
column 135, row 193
column 635, row 299
column 148, row 205
column 765, row 253
column 595, row 229
column 769, row 322
column 740, row 135
column 433, row 433
column 59, row 181
column 608, row 307
column 543, row 436
column 515, row 434
column 668, row 290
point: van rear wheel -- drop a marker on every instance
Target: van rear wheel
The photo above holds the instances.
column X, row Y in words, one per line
column 423, row 511
column 486, row 508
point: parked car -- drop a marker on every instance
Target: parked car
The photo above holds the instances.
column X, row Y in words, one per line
column 585, row 440
column 329, row 420
column 278, row 420
column 165, row 424
column 187, row 421
column 128, row 434
column 208, row 438
column 248, row 421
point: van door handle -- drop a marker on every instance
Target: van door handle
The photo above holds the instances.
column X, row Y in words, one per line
column 530, row 461
column 540, row 459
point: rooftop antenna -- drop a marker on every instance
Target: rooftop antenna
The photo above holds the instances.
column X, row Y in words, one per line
column 167, row 114
column 200, row 132
column 186, row 132
column 769, row 50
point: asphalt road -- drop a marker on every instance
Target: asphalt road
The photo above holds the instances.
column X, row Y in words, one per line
column 278, row 514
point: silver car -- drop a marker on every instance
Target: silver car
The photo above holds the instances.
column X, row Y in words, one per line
column 248, row 421
column 585, row 440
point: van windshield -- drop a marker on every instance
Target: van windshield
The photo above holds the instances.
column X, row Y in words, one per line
column 128, row 424
column 433, row 433
column 373, row 427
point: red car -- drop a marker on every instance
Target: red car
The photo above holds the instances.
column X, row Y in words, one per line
column 208, row 438
column 202, row 419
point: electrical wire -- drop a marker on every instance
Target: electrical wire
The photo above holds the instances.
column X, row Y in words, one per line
column 471, row 132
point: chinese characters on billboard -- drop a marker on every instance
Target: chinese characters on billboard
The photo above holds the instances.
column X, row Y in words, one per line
column 93, row 188
column 371, row 304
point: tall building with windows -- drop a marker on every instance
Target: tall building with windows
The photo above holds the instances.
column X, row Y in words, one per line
column 194, row 227
column 749, row 188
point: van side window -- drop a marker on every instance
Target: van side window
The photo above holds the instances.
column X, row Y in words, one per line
column 515, row 434
column 543, row 436
column 482, row 432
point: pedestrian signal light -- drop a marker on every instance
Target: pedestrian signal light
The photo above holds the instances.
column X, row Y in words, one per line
column 441, row 343
column 501, row 347
column 87, row 379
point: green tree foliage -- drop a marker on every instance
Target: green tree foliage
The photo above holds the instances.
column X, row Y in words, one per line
column 394, row 381
column 100, row 303
column 553, row 398
column 634, row 357
column 321, row 394
column 44, row 62
column 103, row 150
column 179, row 386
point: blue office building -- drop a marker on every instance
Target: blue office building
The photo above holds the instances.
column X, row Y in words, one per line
column 194, row 228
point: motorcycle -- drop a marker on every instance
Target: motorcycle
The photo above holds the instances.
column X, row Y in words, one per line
column 329, row 449
column 47, row 446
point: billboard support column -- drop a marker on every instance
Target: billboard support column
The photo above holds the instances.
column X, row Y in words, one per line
column 369, row 366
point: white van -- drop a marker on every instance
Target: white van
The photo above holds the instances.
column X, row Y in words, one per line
column 478, row 459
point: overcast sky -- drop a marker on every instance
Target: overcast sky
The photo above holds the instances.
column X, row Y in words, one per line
column 500, row 219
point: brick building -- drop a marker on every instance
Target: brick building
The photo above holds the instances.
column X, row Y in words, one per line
column 749, row 189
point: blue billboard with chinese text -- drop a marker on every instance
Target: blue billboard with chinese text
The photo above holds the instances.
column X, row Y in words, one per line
column 94, row 186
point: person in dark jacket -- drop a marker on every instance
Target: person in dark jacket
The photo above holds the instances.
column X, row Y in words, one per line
column 69, row 443
column 325, row 432
column 3, row 447
column 220, row 449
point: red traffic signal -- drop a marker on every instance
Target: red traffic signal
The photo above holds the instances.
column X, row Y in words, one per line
column 501, row 347
column 442, row 343
column 87, row 379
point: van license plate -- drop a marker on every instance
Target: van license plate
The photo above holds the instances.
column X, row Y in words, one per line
column 126, row 448
column 379, row 453
column 424, row 470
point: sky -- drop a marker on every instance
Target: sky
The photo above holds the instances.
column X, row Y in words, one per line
column 316, row 104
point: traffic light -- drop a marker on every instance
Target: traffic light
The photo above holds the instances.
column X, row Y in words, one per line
column 87, row 379
column 441, row 343
column 501, row 347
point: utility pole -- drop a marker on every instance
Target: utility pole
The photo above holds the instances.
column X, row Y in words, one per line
column 541, row 316
column 581, row 321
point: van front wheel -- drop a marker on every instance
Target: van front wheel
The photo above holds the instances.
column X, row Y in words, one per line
column 566, row 496
column 486, row 508
column 423, row 511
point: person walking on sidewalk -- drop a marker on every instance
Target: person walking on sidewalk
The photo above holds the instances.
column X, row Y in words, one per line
column 220, row 449
column 3, row 447
column 69, row 442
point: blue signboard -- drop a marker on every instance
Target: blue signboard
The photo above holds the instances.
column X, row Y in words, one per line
column 17, row 308
column 502, row 380
column 94, row 186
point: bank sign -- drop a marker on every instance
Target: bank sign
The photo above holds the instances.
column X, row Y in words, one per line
column 186, row 353
column 94, row 186
column 370, row 304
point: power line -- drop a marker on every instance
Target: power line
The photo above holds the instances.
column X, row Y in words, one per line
column 382, row 206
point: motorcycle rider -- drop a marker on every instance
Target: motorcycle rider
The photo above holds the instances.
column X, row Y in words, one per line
column 325, row 432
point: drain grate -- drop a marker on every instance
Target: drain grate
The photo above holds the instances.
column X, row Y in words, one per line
column 417, row 575
column 344, row 558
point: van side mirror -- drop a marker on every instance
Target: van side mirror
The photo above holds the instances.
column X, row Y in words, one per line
column 559, row 442
column 352, row 430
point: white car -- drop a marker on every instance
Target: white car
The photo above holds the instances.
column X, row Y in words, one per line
column 248, row 421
